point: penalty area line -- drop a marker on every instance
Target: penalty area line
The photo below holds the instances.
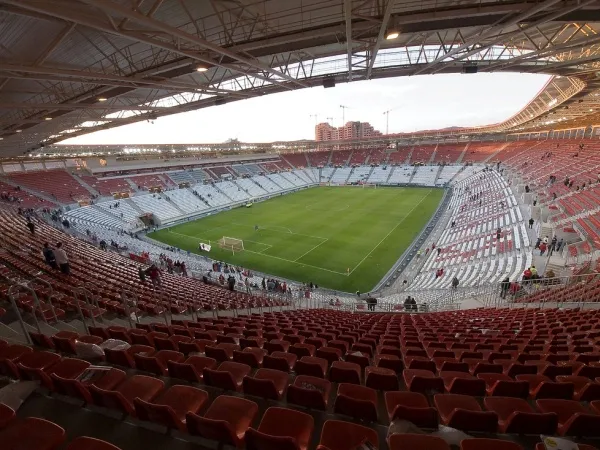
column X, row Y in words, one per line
column 391, row 231
column 304, row 254
column 294, row 262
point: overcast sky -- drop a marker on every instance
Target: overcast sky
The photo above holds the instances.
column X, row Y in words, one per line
column 418, row 103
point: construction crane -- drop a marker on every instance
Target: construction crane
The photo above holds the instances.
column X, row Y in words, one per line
column 387, row 119
column 344, row 108
column 330, row 119
column 316, row 118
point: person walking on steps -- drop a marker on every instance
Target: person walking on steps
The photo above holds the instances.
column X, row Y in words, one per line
column 531, row 222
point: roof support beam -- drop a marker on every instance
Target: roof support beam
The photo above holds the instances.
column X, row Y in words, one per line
column 348, row 19
column 504, row 38
column 107, row 79
column 73, row 106
column 380, row 36
column 134, row 16
column 489, row 32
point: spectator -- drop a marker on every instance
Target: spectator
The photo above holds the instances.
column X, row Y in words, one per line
column 455, row 283
column 498, row 233
column 61, row 259
column 543, row 247
column 142, row 274
column 531, row 222
column 504, row 287
column 247, row 284
column 534, row 273
column 103, row 245
column 154, row 274
column 231, row 282
column 559, row 244
column 31, row 226
column 49, row 256
column 527, row 274
column 537, row 243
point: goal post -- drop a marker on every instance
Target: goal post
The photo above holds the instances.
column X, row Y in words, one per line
column 233, row 244
column 369, row 185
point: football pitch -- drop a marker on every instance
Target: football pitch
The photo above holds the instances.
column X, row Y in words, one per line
column 343, row 238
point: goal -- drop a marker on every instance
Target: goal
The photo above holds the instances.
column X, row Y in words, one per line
column 233, row 244
column 369, row 185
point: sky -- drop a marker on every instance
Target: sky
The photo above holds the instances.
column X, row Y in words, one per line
column 422, row 102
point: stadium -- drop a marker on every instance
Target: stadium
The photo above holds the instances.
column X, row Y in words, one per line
column 427, row 289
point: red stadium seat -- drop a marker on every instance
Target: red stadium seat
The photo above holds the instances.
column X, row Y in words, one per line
column 7, row 415
column 407, row 441
column 502, row 385
column 488, row 444
column 541, row 386
column 266, row 383
column 463, row 383
column 309, row 392
column 345, row 372
column 192, row 369
column 573, row 418
column 515, row 415
column 585, row 389
column 109, row 380
column 464, row 413
column 125, row 358
column 157, row 362
column 311, row 366
column 411, row 406
column 47, row 435
column 356, row 401
column 121, row 398
column 418, row 380
column 172, row 406
column 280, row 361
column 281, row 429
column 381, row 379
column 226, row 420
column 339, row 435
column 88, row 443
column 228, row 376
column 251, row 356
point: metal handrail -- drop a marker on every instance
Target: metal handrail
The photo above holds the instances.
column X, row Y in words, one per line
column 84, row 292
column 36, row 303
column 125, row 297
column 50, row 294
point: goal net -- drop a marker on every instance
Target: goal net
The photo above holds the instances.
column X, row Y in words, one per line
column 369, row 185
column 233, row 244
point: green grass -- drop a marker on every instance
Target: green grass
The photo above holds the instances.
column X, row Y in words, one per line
column 317, row 234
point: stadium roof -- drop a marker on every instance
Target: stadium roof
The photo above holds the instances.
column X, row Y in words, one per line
column 69, row 67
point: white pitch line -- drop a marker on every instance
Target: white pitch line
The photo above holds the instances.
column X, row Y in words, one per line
column 391, row 231
column 304, row 254
column 301, row 264
column 277, row 231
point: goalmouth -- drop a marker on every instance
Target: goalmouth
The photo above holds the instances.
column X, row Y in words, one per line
column 233, row 244
column 369, row 185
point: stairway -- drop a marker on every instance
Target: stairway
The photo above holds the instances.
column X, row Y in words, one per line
column 347, row 163
column 462, row 155
column 135, row 206
column 89, row 188
column 502, row 147
column 437, row 175
column 168, row 199
column 432, row 157
column 409, row 156
column 165, row 180
column 132, row 184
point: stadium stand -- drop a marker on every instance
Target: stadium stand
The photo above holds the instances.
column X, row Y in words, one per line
column 425, row 175
column 147, row 182
column 107, row 186
column 359, row 174
column 319, row 159
column 449, row 154
column 339, row 158
column 58, row 184
column 422, row 154
column 297, row 160
column 480, row 152
column 340, row 175
column 378, row 156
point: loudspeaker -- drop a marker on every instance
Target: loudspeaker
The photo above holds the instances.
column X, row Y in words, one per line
column 470, row 69
column 329, row 82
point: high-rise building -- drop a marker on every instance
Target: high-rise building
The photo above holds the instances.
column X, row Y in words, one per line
column 349, row 131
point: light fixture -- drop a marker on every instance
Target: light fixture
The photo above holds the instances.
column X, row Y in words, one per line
column 102, row 99
column 47, row 118
column 591, row 109
column 392, row 34
column 18, row 131
column 200, row 68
